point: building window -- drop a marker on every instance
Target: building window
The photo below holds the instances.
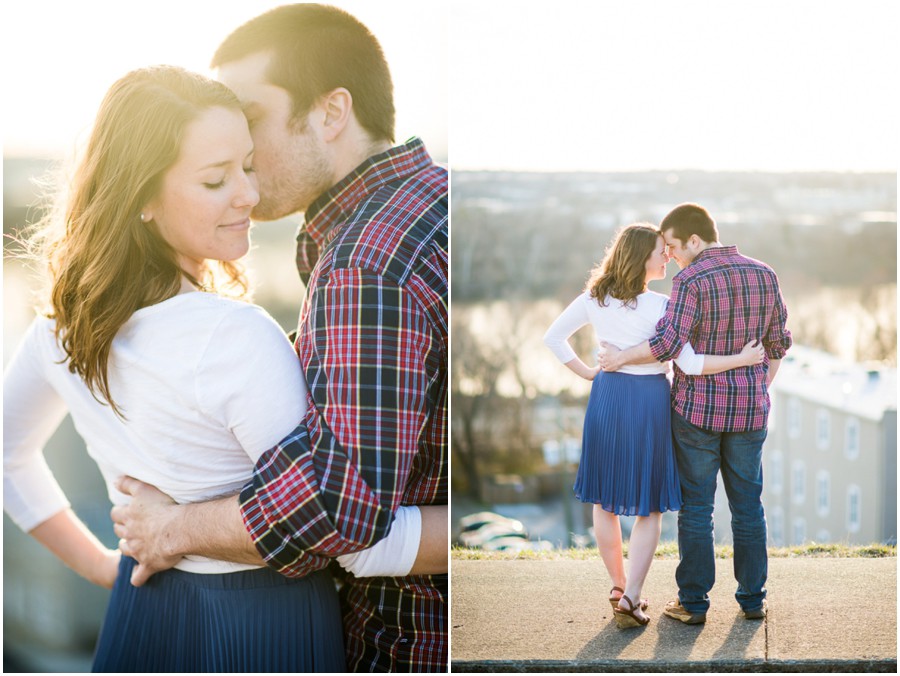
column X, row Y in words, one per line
column 798, row 482
column 775, row 521
column 851, row 438
column 823, row 493
column 823, row 429
column 799, row 531
column 823, row 536
column 793, row 416
column 776, row 467
column 854, row 508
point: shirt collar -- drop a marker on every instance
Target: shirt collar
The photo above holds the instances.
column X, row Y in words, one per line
column 342, row 198
column 710, row 253
column 715, row 252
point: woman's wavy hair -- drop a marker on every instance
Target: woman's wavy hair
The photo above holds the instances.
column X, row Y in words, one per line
column 104, row 262
column 622, row 273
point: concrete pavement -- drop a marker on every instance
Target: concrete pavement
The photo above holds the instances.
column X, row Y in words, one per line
column 553, row 616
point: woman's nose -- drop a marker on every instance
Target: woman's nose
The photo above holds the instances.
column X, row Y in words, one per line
column 248, row 194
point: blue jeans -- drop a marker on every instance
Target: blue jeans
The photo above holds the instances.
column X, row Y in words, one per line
column 700, row 455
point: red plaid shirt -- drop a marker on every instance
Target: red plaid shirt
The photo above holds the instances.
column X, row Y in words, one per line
column 372, row 340
column 719, row 302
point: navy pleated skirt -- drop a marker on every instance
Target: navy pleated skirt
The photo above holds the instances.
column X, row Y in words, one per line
column 248, row 621
column 627, row 461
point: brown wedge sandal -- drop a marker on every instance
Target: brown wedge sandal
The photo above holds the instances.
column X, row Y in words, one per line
column 614, row 602
column 625, row 619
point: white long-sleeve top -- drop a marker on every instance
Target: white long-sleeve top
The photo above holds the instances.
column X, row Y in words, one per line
column 206, row 385
column 619, row 325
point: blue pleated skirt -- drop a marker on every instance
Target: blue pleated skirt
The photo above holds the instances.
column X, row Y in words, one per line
column 627, row 461
column 248, row 621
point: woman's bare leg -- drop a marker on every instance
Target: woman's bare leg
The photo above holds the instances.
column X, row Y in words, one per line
column 641, row 548
column 608, row 531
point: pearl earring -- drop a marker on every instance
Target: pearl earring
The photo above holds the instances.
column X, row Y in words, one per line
column 143, row 218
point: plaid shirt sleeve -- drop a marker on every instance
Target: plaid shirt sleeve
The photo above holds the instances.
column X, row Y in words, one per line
column 674, row 329
column 330, row 487
column 778, row 339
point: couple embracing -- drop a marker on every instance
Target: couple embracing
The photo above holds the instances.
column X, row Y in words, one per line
column 241, row 466
column 650, row 447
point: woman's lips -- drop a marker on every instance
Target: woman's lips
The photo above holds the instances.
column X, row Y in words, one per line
column 243, row 224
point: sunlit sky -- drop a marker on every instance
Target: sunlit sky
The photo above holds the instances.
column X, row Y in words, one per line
column 528, row 84
column 60, row 57
column 777, row 85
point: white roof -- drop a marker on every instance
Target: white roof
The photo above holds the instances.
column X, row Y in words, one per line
column 863, row 390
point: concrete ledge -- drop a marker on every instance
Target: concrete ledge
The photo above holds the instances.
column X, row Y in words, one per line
column 553, row 616
column 720, row 667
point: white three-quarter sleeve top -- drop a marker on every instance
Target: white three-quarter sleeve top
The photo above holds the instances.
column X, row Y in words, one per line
column 206, row 385
column 619, row 325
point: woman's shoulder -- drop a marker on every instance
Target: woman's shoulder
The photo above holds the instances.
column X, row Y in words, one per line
column 201, row 324
column 225, row 305
column 251, row 317
column 237, row 329
column 41, row 332
column 227, row 316
column 592, row 304
column 202, row 308
column 654, row 298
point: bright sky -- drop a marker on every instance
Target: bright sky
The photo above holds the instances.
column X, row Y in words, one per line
column 647, row 84
column 60, row 57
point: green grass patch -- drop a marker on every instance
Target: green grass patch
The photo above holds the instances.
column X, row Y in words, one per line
column 669, row 550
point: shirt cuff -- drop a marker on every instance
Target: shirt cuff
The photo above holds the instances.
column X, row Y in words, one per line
column 392, row 556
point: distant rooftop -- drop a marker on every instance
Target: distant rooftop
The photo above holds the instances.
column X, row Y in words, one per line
column 864, row 390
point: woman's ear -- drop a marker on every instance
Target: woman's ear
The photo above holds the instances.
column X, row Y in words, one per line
column 147, row 212
column 150, row 210
column 337, row 106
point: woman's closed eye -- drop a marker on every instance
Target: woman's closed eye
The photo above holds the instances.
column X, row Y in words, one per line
column 215, row 186
column 250, row 169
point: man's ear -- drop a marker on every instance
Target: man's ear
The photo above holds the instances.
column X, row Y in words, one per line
column 337, row 106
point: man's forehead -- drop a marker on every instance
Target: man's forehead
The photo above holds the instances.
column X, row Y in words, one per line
column 248, row 71
column 670, row 239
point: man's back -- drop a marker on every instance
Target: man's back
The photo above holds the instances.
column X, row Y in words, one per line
column 721, row 301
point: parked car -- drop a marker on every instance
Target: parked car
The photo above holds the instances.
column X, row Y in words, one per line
column 480, row 536
column 508, row 543
column 473, row 522
column 479, row 519
column 494, row 532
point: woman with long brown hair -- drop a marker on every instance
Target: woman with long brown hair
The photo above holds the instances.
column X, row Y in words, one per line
column 171, row 378
column 627, row 463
